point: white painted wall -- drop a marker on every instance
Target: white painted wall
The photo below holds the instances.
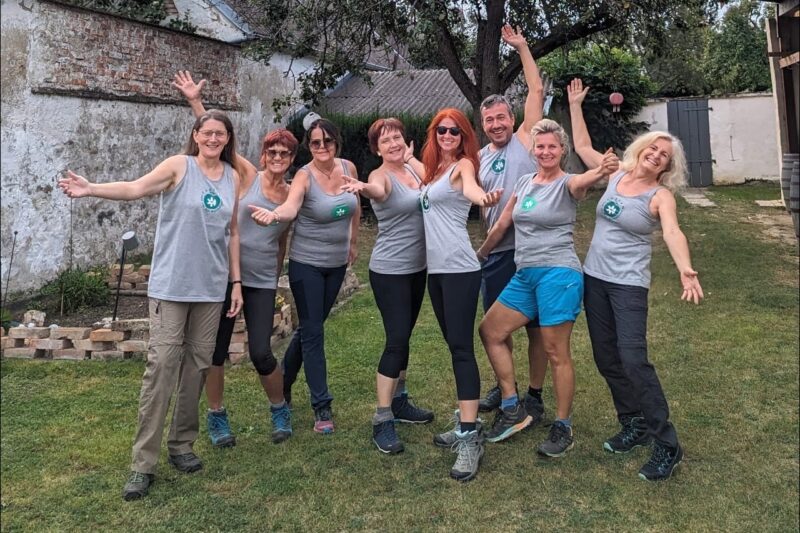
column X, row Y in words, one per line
column 742, row 133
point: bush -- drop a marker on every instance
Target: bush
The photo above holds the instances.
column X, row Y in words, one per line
column 79, row 288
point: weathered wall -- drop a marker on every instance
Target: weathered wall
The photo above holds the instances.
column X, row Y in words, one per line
column 742, row 131
column 91, row 92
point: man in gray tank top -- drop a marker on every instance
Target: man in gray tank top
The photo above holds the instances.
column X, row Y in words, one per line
column 503, row 161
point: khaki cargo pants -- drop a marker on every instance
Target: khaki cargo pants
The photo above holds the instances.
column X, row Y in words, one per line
column 182, row 338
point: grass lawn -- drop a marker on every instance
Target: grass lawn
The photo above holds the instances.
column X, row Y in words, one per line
column 729, row 368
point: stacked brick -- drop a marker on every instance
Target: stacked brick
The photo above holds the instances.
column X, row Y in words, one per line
column 132, row 279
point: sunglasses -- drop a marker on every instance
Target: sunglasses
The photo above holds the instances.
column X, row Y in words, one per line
column 454, row 131
column 278, row 154
column 316, row 144
column 207, row 134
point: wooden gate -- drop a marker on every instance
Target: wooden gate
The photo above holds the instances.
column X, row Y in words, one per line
column 688, row 121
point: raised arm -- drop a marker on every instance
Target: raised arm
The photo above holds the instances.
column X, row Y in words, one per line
column 580, row 184
column 164, row 176
column 533, row 80
column 677, row 245
column 410, row 159
column 465, row 171
column 499, row 229
column 580, row 133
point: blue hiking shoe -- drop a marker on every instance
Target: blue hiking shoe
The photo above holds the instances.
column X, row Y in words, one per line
column 385, row 437
column 281, row 423
column 219, row 430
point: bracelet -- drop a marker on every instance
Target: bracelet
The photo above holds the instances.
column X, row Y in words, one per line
column 409, row 159
column 234, row 282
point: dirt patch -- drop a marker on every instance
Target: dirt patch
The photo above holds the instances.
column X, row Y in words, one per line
column 776, row 224
column 129, row 307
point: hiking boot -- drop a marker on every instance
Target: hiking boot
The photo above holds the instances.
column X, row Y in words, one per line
column 662, row 462
column 491, row 401
column 219, row 430
column 406, row 412
column 469, row 448
column 323, row 420
column 534, row 407
column 632, row 434
column 448, row 438
column 186, row 462
column 507, row 422
column 385, row 437
column 137, row 486
column 558, row 442
column 281, row 423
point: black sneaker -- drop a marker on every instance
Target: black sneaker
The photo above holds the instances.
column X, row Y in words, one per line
column 137, row 486
column 385, row 437
column 662, row 463
column 559, row 442
column 186, row 462
column 406, row 412
column 534, row 407
column 507, row 422
column 491, row 401
column 632, row 434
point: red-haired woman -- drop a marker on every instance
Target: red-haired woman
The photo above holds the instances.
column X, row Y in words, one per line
column 450, row 186
column 262, row 250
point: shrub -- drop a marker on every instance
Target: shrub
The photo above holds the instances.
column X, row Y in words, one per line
column 79, row 288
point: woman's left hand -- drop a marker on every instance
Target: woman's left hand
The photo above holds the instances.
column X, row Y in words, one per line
column 491, row 198
column 692, row 291
column 352, row 255
column 352, row 185
column 236, row 300
column 610, row 163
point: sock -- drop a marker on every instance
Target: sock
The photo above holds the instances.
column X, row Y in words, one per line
column 536, row 393
column 276, row 406
column 382, row 414
column 566, row 421
column 466, row 427
column 401, row 388
column 508, row 403
column 220, row 410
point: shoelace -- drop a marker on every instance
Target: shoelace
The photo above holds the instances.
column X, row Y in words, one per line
column 282, row 418
column 557, row 431
column 467, row 451
column 324, row 414
column 659, row 458
column 219, row 423
column 137, row 477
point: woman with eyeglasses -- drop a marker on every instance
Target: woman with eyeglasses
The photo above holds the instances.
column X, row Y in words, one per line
column 396, row 274
column 262, row 250
column 323, row 245
column 449, row 170
column 196, row 252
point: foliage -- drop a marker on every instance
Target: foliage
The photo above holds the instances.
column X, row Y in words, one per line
column 604, row 70
column 79, row 288
column 150, row 11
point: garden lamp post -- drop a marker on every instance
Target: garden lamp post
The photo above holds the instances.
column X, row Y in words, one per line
column 129, row 242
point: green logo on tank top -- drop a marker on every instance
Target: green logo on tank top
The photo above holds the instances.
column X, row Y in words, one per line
column 612, row 209
column 424, row 203
column 498, row 165
column 528, row 203
column 340, row 211
column 211, row 200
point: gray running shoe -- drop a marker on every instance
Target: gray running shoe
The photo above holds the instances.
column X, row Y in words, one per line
column 507, row 422
column 632, row 434
column 469, row 448
column 491, row 401
column 559, row 442
column 186, row 462
column 137, row 486
column 448, row 438
column 535, row 408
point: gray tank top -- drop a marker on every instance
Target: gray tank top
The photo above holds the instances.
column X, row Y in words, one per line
column 258, row 245
column 544, row 218
column 190, row 254
column 400, row 244
column 502, row 168
column 445, row 213
column 621, row 244
column 322, row 230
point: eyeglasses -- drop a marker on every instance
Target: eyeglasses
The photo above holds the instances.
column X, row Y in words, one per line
column 316, row 144
column 454, row 131
column 278, row 154
column 207, row 134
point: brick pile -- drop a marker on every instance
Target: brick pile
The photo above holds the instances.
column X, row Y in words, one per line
column 132, row 279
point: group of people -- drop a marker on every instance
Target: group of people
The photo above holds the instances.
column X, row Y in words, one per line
column 221, row 241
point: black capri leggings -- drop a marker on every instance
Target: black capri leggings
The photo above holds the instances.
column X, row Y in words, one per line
column 259, row 312
column 455, row 302
column 399, row 299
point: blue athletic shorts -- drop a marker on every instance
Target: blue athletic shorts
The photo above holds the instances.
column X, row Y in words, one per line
column 551, row 294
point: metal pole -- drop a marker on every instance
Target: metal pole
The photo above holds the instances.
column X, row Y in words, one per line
column 119, row 281
column 8, row 275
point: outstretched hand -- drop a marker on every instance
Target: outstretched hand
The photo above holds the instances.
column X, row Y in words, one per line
column 609, row 163
column 513, row 37
column 692, row 291
column 352, row 185
column 74, row 186
column 262, row 217
column 576, row 92
column 491, row 198
column 185, row 84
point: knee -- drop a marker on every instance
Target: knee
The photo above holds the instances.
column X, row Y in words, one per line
column 265, row 363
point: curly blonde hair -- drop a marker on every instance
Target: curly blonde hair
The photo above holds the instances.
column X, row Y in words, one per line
column 674, row 176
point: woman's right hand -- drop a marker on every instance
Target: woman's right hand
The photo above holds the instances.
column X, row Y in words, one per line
column 352, row 185
column 75, row 186
column 262, row 217
column 610, row 163
column 185, row 84
column 576, row 92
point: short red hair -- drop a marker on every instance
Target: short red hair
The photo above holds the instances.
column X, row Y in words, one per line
column 279, row 136
column 432, row 154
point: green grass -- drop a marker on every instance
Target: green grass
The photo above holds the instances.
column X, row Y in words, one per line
column 729, row 368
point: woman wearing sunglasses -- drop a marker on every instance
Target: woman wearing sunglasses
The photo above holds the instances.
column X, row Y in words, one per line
column 396, row 274
column 261, row 256
column 323, row 244
column 450, row 186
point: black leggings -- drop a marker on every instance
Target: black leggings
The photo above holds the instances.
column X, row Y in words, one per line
column 455, row 302
column 399, row 298
column 259, row 313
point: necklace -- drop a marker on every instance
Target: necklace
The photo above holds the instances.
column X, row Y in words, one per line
column 326, row 174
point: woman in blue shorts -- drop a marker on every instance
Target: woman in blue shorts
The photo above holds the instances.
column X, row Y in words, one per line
column 548, row 285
